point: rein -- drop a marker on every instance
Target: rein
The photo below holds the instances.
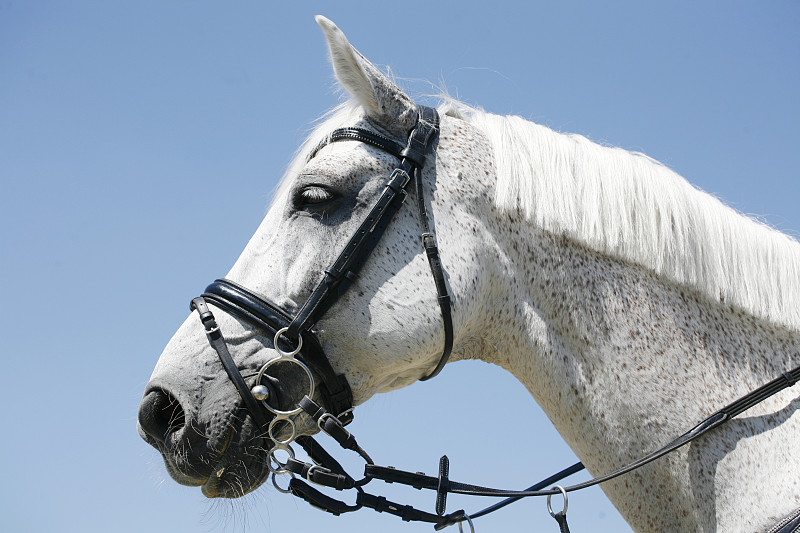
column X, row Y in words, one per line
column 297, row 345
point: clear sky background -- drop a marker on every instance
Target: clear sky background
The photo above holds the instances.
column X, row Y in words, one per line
column 139, row 146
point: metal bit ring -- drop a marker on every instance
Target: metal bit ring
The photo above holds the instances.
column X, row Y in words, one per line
column 275, row 483
column 281, row 469
column 278, row 412
column 294, row 352
column 275, row 439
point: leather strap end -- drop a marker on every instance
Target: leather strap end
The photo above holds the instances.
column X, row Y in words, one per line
column 444, row 485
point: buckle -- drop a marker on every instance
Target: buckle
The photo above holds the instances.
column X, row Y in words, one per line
column 400, row 175
column 429, row 240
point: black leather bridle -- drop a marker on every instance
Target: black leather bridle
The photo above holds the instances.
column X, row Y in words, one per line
column 338, row 277
column 295, row 342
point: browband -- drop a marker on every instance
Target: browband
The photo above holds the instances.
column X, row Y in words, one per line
column 362, row 135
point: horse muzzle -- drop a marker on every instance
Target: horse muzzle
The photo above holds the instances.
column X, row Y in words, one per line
column 218, row 445
column 229, row 443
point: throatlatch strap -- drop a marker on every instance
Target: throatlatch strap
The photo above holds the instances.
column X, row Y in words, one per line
column 429, row 119
column 443, row 297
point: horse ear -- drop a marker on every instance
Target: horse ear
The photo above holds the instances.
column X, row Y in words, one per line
column 384, row 102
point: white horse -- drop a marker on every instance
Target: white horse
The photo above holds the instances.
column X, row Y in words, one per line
column 630, row 304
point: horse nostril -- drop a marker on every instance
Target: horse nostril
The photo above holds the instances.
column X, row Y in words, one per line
column 161, row 414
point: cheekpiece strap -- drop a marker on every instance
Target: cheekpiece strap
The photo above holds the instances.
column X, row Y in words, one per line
column 344, row 270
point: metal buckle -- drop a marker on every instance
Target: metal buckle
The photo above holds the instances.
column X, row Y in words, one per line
column 323, row 417
column 311, row 471
column 429, row 237
column 397, row 172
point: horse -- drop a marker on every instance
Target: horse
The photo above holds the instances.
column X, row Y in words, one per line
column 629, row 303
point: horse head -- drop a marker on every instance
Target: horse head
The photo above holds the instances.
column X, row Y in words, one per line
column 383, row 333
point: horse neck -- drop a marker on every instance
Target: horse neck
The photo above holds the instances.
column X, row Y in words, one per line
column 623, row 361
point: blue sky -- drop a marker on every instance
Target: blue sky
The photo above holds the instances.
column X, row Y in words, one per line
column 140, row 143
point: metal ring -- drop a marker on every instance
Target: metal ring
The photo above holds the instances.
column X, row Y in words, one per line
column 275, row 483
column 469, row 521
column 566, row 501
column 278, row 412
column 287, row 354
column 275, row 439
column 271, row 457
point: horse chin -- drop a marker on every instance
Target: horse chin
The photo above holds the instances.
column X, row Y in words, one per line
column 237, row 467
column 233, row 477
column 242, row 465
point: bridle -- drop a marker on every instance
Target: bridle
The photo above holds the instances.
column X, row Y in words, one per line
column 297, row 345
column 335, row 280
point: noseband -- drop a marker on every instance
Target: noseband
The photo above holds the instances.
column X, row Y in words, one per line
column 296, row 344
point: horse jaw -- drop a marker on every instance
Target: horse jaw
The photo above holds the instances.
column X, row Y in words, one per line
column 388, row 106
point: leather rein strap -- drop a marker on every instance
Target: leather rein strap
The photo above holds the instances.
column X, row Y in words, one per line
column 442, row 485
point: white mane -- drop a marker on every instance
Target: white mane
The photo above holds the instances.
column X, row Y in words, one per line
column 626, row 205
column 630, row 206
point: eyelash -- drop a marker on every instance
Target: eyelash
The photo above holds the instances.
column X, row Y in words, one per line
column 314, row 195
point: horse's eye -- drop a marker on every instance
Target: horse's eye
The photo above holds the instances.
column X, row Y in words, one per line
column 313, row 195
